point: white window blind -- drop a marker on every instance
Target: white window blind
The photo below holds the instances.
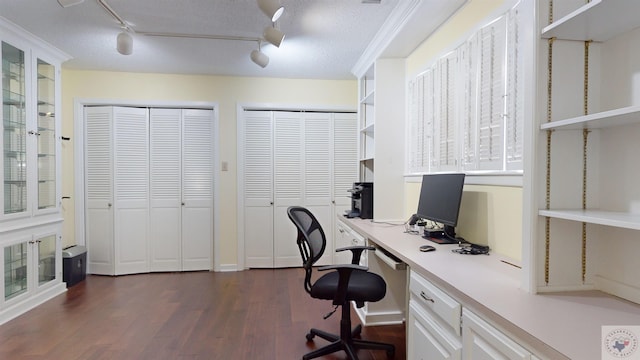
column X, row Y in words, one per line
column 466, row 109
column 515, row 98
column 492, row 42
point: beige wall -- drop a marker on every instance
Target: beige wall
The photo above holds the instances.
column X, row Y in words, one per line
column 490, row 215
column 226, row 91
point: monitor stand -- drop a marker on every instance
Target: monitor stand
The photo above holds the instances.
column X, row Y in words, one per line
column 444, row 236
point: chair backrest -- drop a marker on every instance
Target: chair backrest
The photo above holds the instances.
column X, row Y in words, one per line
column 311, row 239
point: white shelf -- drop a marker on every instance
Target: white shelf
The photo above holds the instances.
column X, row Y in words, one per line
column 602, row 217
column 368, row 98
column 598, row 20
column 616, row 117
column 369, row 129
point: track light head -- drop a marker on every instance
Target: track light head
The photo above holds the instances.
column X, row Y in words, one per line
column 272, row 8
column 259, row 58
column 67, row 3
column 124, row 43
column 273, row 35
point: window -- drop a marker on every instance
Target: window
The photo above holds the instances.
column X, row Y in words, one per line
column 466, row 108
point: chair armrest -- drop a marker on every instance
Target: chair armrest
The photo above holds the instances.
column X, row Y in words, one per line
column 349, row 267
column 356, row 252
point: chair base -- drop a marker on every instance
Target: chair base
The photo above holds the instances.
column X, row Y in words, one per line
column 346, row 341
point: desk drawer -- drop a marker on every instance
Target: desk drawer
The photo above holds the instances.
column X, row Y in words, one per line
column 437, row 301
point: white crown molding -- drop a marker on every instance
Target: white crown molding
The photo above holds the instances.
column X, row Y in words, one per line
column 8, row 27
column 389, row 30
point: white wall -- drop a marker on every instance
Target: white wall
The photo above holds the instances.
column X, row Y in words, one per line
column 226, row 91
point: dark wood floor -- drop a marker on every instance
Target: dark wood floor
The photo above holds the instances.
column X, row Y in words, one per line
column 254, row 314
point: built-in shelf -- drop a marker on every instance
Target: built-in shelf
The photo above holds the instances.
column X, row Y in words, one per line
column 616, row 117
column 598, row 20
column 368, row 98
column 368, row 129
column 601, row 217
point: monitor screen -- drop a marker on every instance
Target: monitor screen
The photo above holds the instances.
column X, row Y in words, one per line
column 440, row 198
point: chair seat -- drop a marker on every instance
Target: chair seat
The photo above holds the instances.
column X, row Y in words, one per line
column 363, row 286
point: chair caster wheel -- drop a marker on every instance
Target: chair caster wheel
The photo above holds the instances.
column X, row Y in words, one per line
column 391, row 354
column 310, row 336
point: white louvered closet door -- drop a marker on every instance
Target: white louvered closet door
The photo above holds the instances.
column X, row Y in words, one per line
column 318, row 175
column 131, row 189
column 165, row 133
column 289, row 184
column 99, row 189
column 197, row 189
column 257, row 149
column 345, row 159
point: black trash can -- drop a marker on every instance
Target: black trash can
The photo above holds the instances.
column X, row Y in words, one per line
column 74, row 264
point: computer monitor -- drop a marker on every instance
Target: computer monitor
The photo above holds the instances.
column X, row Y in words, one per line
column 440, row 198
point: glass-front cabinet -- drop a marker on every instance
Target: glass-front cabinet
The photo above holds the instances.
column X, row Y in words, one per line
column 30, row 140
column 46, row 135
column 30, row 147
column 30, row 264
column 14, row 116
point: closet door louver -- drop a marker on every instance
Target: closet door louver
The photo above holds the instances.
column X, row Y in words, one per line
column 258, row 188
column 131, row 174
column 317, row 173
column 345, row 156
column 197, row 194
column 99, row 189
column 165, row 186
column 289, row 180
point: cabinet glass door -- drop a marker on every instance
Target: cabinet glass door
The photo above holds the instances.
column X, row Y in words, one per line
column 46, row 136
column 14, row 129
column 46, row 259
column 15, row 270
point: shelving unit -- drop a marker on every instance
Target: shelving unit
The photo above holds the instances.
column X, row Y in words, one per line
column 577, row 246
column 367, row 125
column 30, row 213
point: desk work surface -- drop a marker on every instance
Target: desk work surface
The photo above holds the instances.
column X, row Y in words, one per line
column 554, row 325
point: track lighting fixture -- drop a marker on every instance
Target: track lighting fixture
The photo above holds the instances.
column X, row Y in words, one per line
column 273, row 35
column 67, row 3
column 260, row 58
column 272, row 8
column 124, row 43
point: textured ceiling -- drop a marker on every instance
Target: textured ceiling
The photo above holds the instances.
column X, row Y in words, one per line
column 324, row 38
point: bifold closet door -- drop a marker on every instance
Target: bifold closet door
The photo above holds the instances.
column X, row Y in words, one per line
column 181, row 214
column 99, row 189
column 165, row 134
column 257, row 145
column 117, row 189
column 198, row 139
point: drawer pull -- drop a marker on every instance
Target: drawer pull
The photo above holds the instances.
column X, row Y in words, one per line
column 424, row 296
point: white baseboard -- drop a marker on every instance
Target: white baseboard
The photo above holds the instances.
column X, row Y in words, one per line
column 380, row 318
column 27, row 304
column 228, row 268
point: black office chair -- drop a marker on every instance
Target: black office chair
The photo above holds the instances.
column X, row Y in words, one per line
column 348, row 282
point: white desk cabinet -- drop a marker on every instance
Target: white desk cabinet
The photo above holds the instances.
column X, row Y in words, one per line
column 433, row 324
column 483, row 341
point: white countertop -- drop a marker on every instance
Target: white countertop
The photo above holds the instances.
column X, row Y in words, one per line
column 553, row 325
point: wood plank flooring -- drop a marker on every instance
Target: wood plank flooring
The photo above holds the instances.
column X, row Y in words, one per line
column 253, row 314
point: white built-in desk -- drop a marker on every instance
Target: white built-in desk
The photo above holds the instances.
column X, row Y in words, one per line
column 554, row 326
